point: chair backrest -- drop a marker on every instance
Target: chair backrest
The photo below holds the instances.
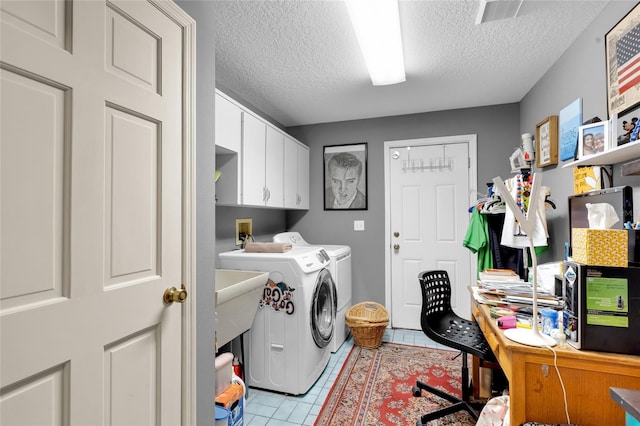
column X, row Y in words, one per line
column 436, row 302
column 439, row 321
column 436, row 292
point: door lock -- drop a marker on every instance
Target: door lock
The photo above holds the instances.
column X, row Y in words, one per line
column 175, row 295
column 396, row 234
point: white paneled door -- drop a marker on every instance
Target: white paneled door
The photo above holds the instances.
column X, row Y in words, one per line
column 429, row 182
column 91, row 219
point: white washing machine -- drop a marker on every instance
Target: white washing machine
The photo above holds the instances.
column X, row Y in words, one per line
column 340, row 268
column 287, row 347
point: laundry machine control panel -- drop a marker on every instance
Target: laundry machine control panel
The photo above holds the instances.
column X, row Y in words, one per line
column 313, row 260
column 323, row 256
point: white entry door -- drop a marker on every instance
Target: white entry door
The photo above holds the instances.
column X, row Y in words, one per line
column 91, row 181
column 429, row 182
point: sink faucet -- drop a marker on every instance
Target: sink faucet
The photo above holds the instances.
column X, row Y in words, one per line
column 244, row 238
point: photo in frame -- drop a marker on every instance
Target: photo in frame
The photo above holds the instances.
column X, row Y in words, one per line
column 345, row 177
column 625, row 127
column 593, row 139
column 569, row 121
column 547, row 141
column 622, row 57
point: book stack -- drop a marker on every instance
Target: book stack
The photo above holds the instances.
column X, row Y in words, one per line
column 499, row 275
column 504, row 286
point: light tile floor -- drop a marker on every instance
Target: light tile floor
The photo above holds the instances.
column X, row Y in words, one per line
column 276, row 409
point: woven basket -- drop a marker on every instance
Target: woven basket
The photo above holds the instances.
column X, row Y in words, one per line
column 367, row 321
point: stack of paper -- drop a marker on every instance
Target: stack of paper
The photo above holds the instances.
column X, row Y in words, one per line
column 503, row 286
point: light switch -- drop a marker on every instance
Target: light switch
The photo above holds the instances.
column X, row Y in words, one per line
column 358, row 225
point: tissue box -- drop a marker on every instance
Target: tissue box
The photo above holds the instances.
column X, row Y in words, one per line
column 600, row 247
column 634, row 247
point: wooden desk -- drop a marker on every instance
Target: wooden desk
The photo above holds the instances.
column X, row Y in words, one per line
column 534, row 387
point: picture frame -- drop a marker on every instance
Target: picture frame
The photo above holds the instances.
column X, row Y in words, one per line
column 621, row 48
column 547, row 142
column 569, row 121
column 593, row 139
column 345, row 177
column 625, row 126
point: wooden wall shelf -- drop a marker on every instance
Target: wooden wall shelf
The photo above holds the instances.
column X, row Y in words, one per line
column 631, row 168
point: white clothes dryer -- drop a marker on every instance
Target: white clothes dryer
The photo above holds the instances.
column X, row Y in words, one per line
column 287, row 347
column 340, row 268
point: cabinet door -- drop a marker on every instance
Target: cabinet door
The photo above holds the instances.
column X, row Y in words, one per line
column 274, row 167
column 253, row 160
column 228, row 124
column 303, row 177
column 290, row 173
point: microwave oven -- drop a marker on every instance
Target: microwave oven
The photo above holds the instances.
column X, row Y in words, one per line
column 602, row 307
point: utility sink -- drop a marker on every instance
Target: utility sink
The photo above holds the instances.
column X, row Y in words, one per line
column 237, row 297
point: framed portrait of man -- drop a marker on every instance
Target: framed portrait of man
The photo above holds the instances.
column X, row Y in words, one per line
column 345, row 177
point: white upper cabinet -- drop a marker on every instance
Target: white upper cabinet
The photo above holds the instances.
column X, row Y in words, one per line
column 260, row 165
column 296, row 175
column 253, row 160
column 228, row 124
column 303, row 177
column 290, row 173
column 274, row 166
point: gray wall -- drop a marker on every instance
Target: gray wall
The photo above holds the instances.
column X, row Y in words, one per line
column 266, row 223
column 498, row 135
column 579, row 73
column 205, row 209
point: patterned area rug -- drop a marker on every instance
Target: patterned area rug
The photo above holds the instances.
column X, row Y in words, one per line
column 374, row 387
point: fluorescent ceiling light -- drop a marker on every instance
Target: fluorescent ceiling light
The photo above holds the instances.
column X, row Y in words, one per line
column 377, row 26
column 493, row 10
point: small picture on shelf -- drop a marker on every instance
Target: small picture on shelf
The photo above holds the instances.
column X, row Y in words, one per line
column 569, row 120
column 547, row 141
column 626, row 128
column 593, row 139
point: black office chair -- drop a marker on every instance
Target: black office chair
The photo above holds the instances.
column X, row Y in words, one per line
column 440, row 323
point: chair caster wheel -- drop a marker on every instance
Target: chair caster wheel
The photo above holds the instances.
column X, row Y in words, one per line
column 416, row 392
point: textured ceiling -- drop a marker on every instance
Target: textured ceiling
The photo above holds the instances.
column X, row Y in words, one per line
column 299, row 62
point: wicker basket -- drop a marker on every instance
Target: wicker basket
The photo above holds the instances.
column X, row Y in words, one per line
column 367, row 321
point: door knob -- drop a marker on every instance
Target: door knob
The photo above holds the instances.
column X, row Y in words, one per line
column 396, row 234
column 396, row 246
column 175, row 295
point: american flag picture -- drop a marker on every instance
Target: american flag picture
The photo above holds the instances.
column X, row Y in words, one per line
column 628, row 57
column 623, row 63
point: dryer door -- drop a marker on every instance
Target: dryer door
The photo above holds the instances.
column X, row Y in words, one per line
column 323, row 309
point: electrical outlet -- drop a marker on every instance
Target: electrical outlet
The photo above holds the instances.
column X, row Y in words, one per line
column 244, row 228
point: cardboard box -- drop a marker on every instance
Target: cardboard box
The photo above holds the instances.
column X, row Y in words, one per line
column 600, row 247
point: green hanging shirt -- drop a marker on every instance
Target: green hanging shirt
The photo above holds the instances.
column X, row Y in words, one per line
column 477, row 240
